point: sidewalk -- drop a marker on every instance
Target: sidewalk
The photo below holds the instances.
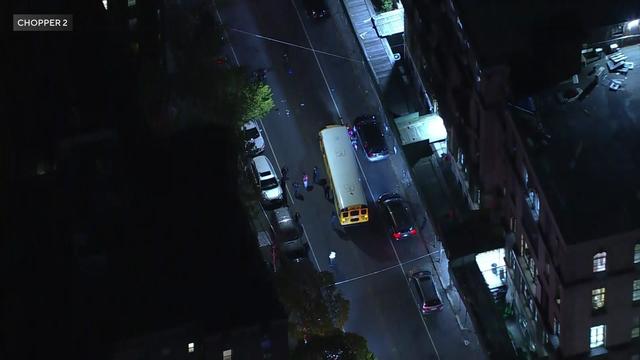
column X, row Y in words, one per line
column 376, row 49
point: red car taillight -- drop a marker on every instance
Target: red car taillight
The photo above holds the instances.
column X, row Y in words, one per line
column 413, row 231
column 397, row 235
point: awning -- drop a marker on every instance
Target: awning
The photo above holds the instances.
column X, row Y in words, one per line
column 415, row 128
column 389, row 23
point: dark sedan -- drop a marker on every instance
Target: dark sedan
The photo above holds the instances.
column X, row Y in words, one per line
column 398, row 215
column 370, row 133
column 428, row 295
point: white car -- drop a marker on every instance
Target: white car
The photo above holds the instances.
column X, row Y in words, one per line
column 252, row 136
column 267, row 181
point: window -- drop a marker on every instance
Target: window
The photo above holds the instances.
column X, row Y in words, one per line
column 191, row 347
column 635, row 330
column 600, row 262
column 597, row 336
column 226, row 355
column 636, row 253
column 533, row 200
column 597, row 298
column 131, row 3
column 636, row 290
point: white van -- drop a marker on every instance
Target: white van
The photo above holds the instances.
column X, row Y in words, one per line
column 267, row 181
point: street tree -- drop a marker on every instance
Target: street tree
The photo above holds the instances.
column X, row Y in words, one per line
column 335, row 345
column 256, row 100
column 316, row 307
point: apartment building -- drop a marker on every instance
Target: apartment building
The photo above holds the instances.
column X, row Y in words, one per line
column 556, row 160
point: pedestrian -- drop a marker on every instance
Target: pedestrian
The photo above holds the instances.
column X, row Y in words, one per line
column 305, row 181
column 335, row 222
column 284, row 171
column 296, row 194
column 327, row 192
column 315, row 175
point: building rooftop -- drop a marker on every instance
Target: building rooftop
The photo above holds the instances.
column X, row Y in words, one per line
column 519, row 33
column 586, row 152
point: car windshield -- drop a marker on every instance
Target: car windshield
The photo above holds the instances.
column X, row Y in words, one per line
column 250, row 134
column 270, row 183
column 372, row 138
column 400, row 215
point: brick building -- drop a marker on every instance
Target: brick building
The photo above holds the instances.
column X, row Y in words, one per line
column 554, row 160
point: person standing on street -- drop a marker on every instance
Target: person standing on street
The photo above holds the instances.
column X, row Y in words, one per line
column 296, row 193
column 305, row 181
column 315, row 175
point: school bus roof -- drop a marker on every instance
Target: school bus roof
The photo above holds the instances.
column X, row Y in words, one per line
column 343, row 168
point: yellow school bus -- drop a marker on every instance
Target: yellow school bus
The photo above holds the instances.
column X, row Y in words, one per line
column 343, row 174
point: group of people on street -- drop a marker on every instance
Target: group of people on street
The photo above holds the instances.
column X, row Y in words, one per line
column 308, row 186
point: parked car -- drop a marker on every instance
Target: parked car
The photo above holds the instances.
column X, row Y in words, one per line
column 398, row 215
column 370, row 133
column 428, row 295
column 253, row 140
column 267, row 181
column 316, row 9
column 288, row 234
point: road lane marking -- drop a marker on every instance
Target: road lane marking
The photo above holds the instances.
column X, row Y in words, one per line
column 304, row 28
column 295, row 45
column 404, row 273
column 224, row 31
column 304, row 230
column 381, row 270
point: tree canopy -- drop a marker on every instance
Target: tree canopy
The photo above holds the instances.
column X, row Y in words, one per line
column 335, row 345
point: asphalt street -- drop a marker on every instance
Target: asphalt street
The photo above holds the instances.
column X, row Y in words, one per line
column 330, row 85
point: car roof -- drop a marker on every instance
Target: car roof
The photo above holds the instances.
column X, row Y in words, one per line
column 262, row 165
column 427, row 287
column 284, row 225
column 371, row 133
column 399, row 212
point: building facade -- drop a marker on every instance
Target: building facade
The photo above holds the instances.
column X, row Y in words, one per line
column 572, row 268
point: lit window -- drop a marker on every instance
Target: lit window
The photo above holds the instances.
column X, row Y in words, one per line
column 600, row 262
column 597, row 336
column 226, row 355
column 635, row 330
column 636, row 253
column 597, row 298
column 191, row 347
column 636, row 290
